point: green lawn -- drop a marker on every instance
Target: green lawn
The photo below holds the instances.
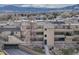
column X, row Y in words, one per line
column 68, row 51
column 40, row 50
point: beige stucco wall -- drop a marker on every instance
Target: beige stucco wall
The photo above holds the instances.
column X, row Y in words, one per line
column 50, row 37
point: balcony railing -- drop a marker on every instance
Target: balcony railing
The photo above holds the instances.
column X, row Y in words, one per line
column 59, row 36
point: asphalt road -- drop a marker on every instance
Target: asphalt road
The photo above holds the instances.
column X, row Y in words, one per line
column 16, row 52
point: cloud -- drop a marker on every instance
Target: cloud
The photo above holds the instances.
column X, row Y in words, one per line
column 46, row 5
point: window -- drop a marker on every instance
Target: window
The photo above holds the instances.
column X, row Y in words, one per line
column 59, row 39
column 76, row 26
column 22, row 14
column 37, row 18
column 59, row 33
column 45, row 29
column 44, row 18
column 45, row 35
column 76, row 32
column 0, row 32
column 77, row 42
column 68, row 27
column 39, row 33
column 68, row 34
column 45, row 42
column 75, row 39
column 39, row 27
column 1, row 26
column 33, row 39
column 37, row 39
column 12, row 33
column 16, row 32
column 78, row 20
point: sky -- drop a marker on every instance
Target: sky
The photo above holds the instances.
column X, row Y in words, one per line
column 40, row 5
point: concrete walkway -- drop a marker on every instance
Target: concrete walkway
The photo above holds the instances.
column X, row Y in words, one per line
column 46, row 50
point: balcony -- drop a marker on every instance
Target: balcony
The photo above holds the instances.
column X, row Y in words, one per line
column 76, row 29
column 59, row 36
column 69, row 37
column 59, row 42
column 39, row 36
column 39, row 30
column 63, row 30
column 75, row 36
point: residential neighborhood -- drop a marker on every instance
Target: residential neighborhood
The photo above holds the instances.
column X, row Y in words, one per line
column 49, row 32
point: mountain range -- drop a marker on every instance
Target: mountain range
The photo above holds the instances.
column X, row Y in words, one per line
column 30, row 9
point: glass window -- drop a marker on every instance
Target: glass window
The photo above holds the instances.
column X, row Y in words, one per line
column 59, row 39
column 59, row 33
column 45, row 35
column 39, row 33
column 45, row 29
column 68, row 34
column 76, row 32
